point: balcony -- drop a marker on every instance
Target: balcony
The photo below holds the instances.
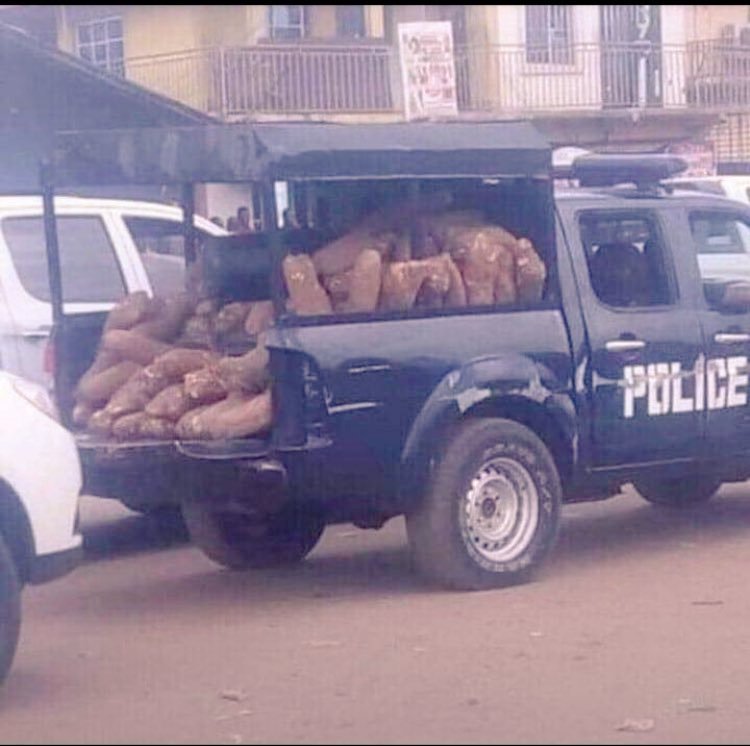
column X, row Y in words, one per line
column 364, row 79
column 281, row 79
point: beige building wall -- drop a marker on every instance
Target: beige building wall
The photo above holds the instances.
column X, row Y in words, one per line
column 707, row 21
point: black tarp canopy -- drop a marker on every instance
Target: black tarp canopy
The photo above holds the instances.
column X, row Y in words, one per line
column 290, row 151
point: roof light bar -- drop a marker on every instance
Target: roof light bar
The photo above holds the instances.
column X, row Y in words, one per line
column 644, row 170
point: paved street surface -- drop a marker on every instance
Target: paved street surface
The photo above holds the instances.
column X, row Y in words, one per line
column 636, row 632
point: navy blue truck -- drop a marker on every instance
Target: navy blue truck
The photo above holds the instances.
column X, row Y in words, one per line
column 477, row 424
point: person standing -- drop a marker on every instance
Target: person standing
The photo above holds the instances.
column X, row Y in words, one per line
column 243, row 220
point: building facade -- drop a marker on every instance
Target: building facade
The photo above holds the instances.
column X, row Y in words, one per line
column 596, row 76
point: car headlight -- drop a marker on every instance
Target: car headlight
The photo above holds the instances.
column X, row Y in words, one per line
column 37, row 397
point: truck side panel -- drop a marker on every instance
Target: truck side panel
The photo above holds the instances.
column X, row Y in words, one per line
column 377, row 375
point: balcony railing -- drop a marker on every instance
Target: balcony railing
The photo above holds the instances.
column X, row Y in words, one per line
column 720, row 75
column 283, row 78
column 504, row 80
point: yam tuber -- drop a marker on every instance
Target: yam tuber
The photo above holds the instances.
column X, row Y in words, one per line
column 82, row 414
column 156, row 428
column 101, row 422
column 239, row 416
column 133, row 309
column 188, row 427
column 248, row 372
column 456, row 295
column 98, row 389
column 175, row 363
column 128, row 427
column 308, row 298
column 260, row 318
column 364, row 283
column 104, row 360
column 129, row 345
column 402, row 281
column 530, row 272
column 170, row 403
column 134, row 395
column 168, row 322
column 204, row 386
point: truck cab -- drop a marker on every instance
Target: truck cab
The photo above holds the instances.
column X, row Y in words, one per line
column 666, row 375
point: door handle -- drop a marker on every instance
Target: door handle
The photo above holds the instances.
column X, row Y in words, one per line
column 40, row 333
column 730, row 338
column 624, row 345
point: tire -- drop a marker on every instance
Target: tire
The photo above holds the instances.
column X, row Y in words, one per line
column 10, row 610
column 240, row 542
column 462, row 543
column 680, row 492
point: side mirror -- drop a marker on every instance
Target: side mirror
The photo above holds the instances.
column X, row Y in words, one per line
column 732, row 296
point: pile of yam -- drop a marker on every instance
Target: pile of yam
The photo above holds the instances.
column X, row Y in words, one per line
column 396, row 260
column 157, row 374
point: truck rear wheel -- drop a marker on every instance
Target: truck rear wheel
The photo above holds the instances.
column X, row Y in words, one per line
column 492, row 508
column 240, row 541
column 10, row 610
column 680, row 492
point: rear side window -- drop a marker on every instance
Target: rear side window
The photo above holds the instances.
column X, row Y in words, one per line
column 161, row 244
column 156, row 235
column 719, row 233
column 90, row 270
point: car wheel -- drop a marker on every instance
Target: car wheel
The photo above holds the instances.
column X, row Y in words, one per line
column 10, row 610
column 240, row 541
column 492, row 508
column 678, row 493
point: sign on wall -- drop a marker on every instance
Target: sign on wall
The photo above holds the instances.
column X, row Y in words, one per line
column 428, row 69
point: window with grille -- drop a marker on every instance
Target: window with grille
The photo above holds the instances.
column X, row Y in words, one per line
column 100, row 43
column 549, row 34
column 287, row 21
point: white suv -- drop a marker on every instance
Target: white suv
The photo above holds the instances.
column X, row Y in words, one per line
column 108, row 248
column 40, row 484
column 735, row 187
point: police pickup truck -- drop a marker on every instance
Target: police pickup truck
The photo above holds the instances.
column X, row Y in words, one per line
column 476, row 424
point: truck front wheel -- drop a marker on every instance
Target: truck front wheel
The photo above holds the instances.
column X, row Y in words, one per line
column 10, row 610
column 491, row 510
column 678, row 493
column 240, row 541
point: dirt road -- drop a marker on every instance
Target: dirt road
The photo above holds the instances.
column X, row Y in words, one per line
column 635, row 632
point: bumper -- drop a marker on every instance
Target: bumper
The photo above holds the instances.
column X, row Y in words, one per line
column 158, row 472
column 46, row 567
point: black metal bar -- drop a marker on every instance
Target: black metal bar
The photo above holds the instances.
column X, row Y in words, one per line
column 271, row 227
column 188, row 217
column 53, row 246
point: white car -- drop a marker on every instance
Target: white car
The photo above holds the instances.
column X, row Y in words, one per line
column 108, row 247
column 735, row 187
column 40, row 485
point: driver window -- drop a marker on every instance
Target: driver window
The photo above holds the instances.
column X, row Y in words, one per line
column 626, row 259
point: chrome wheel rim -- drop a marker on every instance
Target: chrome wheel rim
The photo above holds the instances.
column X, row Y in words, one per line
column 500, row 510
